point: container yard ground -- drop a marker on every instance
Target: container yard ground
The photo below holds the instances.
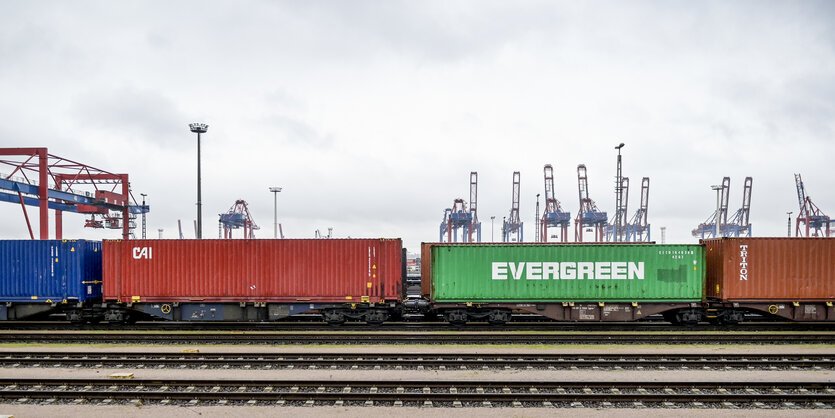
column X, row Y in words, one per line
column 314, row 412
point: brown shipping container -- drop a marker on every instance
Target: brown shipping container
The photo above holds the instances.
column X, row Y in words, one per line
column 770, row 269
column 290, row 270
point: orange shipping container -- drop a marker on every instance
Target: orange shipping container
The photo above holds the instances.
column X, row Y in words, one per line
column 290, row 270
column 770, row 269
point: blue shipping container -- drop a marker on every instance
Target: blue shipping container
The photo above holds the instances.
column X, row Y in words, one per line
column 59, row 271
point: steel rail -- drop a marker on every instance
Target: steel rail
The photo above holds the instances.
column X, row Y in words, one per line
column 368, row 337
column 400, row 361
column 415, row 326
column 473, row 393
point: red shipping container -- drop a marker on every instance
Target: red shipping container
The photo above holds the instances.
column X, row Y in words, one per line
column 770, row 269
column 290, row 270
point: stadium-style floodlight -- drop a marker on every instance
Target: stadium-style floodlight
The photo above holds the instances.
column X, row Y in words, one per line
column 275, row 191
column 199, row 128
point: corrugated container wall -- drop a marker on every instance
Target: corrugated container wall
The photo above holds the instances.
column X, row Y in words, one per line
column 788, row 269
column 50, row 270
column 576, row 272
column 290, row 270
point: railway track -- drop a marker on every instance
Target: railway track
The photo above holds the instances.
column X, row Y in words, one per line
column 423, row 393
column 368, row 337
column 398, row 361
column 313, row 325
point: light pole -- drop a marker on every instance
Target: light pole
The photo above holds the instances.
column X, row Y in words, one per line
column 199, row 128
column 492, row 228
column 275, row 191
column 716, row 228
column 618, row 196
column 143, row 214
column 536, row 220
column 789, row 225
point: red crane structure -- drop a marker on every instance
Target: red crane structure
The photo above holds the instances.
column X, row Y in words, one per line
column 237, row 217
column 589, row 215
column 817, row 223
column 553, row 215
column 34, row 177
column 512, row 228
column 708, row 228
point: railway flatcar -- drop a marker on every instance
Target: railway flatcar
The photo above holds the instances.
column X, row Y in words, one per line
column 791, row 278
column 253, row 280
column 43, row 277
column 564, row 282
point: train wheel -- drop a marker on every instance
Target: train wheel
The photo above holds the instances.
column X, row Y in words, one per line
column 688, row 317
column 456, row 316
column 333, row 317
column 376, row 317
column 498, row 317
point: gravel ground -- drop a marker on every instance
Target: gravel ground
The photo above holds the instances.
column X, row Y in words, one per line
column 301, row 412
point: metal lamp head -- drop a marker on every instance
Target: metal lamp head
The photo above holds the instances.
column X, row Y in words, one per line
column 620, row 146
column 199, row 128
column 275, row 189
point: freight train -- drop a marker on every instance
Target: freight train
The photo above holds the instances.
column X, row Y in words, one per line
column 717, row 280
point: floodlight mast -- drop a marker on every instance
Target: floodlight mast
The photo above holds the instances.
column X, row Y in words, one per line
column 275, row 191
column 199, row 128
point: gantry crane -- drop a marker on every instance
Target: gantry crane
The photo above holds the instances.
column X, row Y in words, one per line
column 638, row 229
column 612, row 229
column 512, row 230
column 740, row 225
column 476, row 226
column 460, row 218
column 589, row 215
column 37, row 178
column 237, row 217
column 817, row 223
column 553, row 216
column 708, row 228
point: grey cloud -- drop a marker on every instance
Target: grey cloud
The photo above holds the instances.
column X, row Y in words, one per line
column 145, row 114
column 296, row 131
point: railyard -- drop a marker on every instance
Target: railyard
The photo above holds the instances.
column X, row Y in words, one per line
column 420, row 380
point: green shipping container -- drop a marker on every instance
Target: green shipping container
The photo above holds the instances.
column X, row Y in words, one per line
column 565, row 272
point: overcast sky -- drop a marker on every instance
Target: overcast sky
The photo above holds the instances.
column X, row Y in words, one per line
column 371, row 115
